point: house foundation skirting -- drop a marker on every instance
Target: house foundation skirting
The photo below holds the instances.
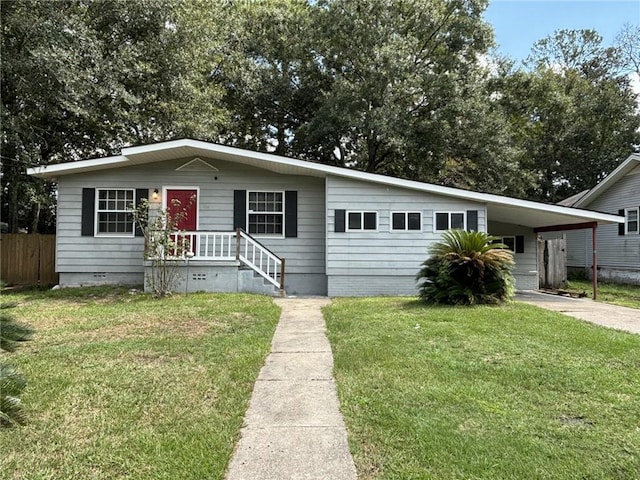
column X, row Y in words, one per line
column 526, row 280
column 630, row 276
column 365, row 285
column 92, row 279
column 219, row 277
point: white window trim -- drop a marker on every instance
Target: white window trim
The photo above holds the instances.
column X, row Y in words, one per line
column 267, row 235
column 165, row 188
column 362, row 212
column 406, row 221
column 626, row 221
column 97, row 211
column 449, row 213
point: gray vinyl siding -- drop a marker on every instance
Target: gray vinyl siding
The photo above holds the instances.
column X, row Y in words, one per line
column 75, row 253
column 367, row 285
column 622, row 251
column 579, row 247
column 356, row 257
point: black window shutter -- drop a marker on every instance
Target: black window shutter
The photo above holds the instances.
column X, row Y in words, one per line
column 519, row 243
column 472, row 220
column 621, row 225
column 141, row 194
column 340, row 220
column 290, row 213
column 240, row 209
column 88, row 211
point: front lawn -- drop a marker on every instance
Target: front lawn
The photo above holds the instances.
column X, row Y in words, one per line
column 125, row 386
column 512, row 392
column 616, row 293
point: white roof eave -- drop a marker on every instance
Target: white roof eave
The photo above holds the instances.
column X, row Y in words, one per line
column 53, row 171
column 528, row 213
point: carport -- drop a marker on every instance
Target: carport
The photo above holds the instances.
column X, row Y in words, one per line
column 553, row 218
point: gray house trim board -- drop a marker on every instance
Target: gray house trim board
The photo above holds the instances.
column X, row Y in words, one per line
column 343, row 242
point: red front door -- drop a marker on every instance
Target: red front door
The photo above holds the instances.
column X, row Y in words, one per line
column 182, row 205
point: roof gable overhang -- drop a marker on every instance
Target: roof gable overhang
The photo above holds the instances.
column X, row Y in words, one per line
column 499, row 208
column 623, row 169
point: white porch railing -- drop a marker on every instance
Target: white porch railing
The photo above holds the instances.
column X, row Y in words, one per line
column 206, row 245
column 236, row 245
column 258, row 257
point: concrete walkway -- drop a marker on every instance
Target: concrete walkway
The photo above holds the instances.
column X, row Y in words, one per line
column 293, row 428
column 607, row 315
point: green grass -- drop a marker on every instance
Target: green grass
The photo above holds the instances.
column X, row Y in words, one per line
column 618, row 294
column 513, row 392
column 125, row 386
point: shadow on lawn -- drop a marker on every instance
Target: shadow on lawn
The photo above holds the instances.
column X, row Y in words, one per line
column 109, row 294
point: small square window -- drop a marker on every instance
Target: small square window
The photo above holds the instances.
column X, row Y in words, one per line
column 510, row 242
column 449, row 221
column 355, row 220
column 398, row 221
column 404, row 221
column 362, row 221
column 442, row 221
column 414, row 221
column 457, row 221
column 370, row 220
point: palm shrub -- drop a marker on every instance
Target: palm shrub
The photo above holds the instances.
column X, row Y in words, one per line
column 466, row 268
column 12, row 382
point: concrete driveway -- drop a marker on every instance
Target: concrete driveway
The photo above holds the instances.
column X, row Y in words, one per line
column 607, row 315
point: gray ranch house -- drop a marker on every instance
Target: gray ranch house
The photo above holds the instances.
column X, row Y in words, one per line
column 618, row 245
column 341, row 232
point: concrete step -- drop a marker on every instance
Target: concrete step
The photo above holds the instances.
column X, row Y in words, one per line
column 250, row 282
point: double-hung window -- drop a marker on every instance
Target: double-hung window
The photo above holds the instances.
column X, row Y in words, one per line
column 113, row 215
column 631, row 220
column 449, row 221
column 362, row 221
column 265, row 213
column 404, row 221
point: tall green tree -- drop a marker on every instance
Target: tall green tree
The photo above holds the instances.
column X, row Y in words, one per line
column 269, row 72
column 395, row 68
column 84, row 78
column 574, row 113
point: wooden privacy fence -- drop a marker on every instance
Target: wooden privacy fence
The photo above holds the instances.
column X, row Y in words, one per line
column 28, row 259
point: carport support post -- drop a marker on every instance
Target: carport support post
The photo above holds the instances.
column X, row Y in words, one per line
column 595, row 259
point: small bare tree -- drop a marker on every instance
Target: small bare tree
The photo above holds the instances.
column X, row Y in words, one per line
column 164, row 246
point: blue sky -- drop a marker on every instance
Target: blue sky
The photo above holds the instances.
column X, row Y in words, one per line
column 518, row 24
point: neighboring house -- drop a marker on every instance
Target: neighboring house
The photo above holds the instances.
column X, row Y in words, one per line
column 342, row 232
column 618, row 246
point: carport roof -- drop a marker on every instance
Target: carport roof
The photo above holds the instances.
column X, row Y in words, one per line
column 499, row 208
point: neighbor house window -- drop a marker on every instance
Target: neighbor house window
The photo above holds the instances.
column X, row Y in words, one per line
column 362, row 221
column 265, row 213
column 631, row 220
column 449, row 221
column 403, row 221
column 113, row 215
